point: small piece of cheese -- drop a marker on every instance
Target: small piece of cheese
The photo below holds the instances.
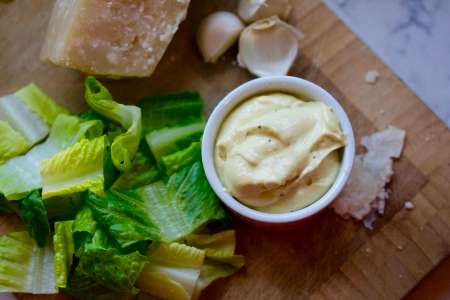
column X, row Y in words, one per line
column 365, row 193
column 372, row 76
column 116, row 38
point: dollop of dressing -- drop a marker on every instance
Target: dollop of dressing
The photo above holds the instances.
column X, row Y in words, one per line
column 278, row 153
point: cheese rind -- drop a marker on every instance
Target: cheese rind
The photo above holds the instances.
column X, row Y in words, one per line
column 116, row 38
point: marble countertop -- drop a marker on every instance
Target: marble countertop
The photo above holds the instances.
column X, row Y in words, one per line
column 412, row 37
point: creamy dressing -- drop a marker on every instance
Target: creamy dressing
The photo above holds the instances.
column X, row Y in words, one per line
column 277, row 153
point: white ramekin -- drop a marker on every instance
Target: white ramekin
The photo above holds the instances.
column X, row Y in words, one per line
column 295, row 86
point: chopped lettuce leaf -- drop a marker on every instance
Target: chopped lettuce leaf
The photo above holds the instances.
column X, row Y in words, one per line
column 125, row 215
column 21, row 175
column 84, row 227
column 40, row 103
column 110, row 173
column 24, row 121
column 24, row 267
column 171, row 110
column 102, row 261
column 220, row 259
column 142, row 172
column 83, row 287
column 175, row 161
column 34, row 214
column 213, row 270
column 182, row 204
column 75, row 169
column 64, row 249
column 224, row 241
column 63, row 208
column 30, row 112
column 124, row 146
column 12, row 143
column 159, row 211
column 169, row 140
column 172, row 272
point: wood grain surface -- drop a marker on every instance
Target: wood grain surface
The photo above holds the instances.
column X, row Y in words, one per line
column 328, row 257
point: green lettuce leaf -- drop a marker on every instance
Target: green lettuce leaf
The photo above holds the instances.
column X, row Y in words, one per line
column 63, row 208
column 102, row 261
column 124, row 146
column 21, row 175
column 34, row 214
column 143, row 171
column 12, row 143
column 83, row 228
column 110, row 173
column 183, row 204
column 75, row 169
column 83, row 287
column 171, row 110
column 24, row 121
column 172, row 272
column 30, row 113
column 159, row 211
column 220, row 259
column 40, row 103
column 24, row 267
column 102, row 264
column 166, row 141
column 125, row 215
column 175, row 161
column 64, row 250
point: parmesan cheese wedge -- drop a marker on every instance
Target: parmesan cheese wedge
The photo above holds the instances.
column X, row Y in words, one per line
column 115, row 38
column 365, row 193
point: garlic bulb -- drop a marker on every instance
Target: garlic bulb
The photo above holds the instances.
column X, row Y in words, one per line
column 252, row 10
column 268, row 47
column 217, row 33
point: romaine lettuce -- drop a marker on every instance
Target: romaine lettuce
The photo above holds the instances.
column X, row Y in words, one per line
column 83, row 229
column 34, row 214
column 83, row 287
column 220, row 259
column 183, row 203
column 30, row 113
column 166, row 141
column 75, row 169
column 12, row 143
column 171, row 110
column 142, row 172
column 63, row 208
column 21, row 175
column 124, row 146
column 125, row 215
column 175, row 161
column 40, row 103
column 102, row 261
column 159, row 211
column 24, row 267
column 172, row 272
column 64, row 249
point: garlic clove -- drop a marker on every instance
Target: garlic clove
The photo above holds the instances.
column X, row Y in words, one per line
column 268, row 47
column 252, row 10
column 217, row 33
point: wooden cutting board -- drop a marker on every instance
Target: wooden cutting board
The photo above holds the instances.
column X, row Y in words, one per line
column 328, row 258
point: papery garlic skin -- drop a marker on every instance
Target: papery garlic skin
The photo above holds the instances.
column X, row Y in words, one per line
column 217, row 33
column 252, row 10
column 268, row 47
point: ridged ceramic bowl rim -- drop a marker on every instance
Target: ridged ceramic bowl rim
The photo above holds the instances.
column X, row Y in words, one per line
column 295, row 86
